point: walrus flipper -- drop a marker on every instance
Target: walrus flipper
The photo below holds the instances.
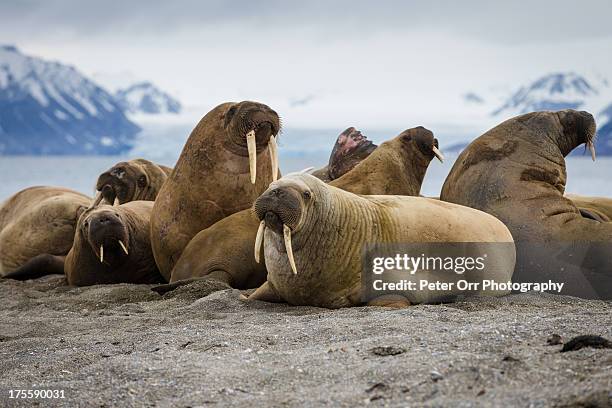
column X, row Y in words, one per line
column 40, row 265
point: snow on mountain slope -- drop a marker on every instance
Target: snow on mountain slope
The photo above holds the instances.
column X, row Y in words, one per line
column 144, row 97
column 50, row 108
column 550, row 92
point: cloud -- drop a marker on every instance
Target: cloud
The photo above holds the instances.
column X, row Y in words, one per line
column 504, row 22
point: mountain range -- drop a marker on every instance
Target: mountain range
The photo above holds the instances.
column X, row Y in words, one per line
column 556, row 91
column 50, row 108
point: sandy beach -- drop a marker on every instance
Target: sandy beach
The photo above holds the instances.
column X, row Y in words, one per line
column 124, row 345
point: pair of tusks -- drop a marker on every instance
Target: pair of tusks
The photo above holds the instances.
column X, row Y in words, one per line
column 438, row 153
column 287, row 235
column 591, row 147
column 252, row 147
column 102, row 250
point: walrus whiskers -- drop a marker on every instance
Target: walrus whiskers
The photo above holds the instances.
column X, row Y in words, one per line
column 273, row 157
column 259, row 239
column 289, row 248
column 438, row 153
column 250, row 137
column 123, row 247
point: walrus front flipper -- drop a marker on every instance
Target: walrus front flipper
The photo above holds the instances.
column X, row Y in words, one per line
column 266, row 293
column 40, row 265
column 220, row 276
column 394, row 301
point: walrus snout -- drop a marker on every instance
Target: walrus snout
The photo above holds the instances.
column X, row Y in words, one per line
column 424, row 140
column 107, row 235
column 578, row 127
column 252, row 127
column 278, row 207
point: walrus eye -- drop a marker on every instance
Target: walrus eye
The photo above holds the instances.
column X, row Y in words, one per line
column 306, row 195
column 142, row 181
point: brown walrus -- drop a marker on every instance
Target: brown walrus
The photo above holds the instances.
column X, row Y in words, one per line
column 37, row 226
column 228, row 161
column 597, row 208
column 313, row 236
column 112, row 245
column 516, row 172
column 350, row 149
column 396, row 167
column 136, row 179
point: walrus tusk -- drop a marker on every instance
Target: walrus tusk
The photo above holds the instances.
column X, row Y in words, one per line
column 123, row 247
column 289, row 248
column 438, row 153
column 259, row 239
column 250, row 137
column 101, row 253
column 97, row 200
column 592, row 149
column 273, row 157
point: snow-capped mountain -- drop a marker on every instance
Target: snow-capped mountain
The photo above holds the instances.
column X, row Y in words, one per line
column 551, row 92
column 565, row 91
column 144, row 97
column 50, row 108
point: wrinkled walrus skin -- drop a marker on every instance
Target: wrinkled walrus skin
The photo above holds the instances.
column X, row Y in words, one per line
column 224, row 251
column 315, row 234
column 516, row 172
column 39, row 222
column 212, row 178
column 112, row 245
column 597, row 208
column 350, row 149
column 133, row 180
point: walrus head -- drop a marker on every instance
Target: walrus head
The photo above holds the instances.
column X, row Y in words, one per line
column 106, row 232
column 250, row 127
column 282, row 208
column 424, row 141
column 137, row 179
column 350, row 149
column 578, row 127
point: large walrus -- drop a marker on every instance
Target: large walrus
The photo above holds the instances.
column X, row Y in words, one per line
column 37, row 226
column 397, row 167
column 597, row 208
column 350, row 149
column 229, row 159
column 112, row 245
column 313, row 236
column 136, row 179
column 516, row 172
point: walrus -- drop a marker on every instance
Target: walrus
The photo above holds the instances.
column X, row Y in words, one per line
column 396, row 168
column 37, row 226
column 136, row 179
column 596, row 208
column 229, row 159
column 516, row 172
column 350, row 149
column 112, row 245
column 313, row 237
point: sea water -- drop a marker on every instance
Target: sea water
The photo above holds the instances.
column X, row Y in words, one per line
column 80, row 173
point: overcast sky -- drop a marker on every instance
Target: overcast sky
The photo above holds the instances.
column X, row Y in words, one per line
column 385, row 64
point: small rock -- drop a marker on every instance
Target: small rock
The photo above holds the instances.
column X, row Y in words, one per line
column 591, row 341
column 510, row 358
column 387, row 350
column 377, row 387
column 436, row 376
column 553, row 340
